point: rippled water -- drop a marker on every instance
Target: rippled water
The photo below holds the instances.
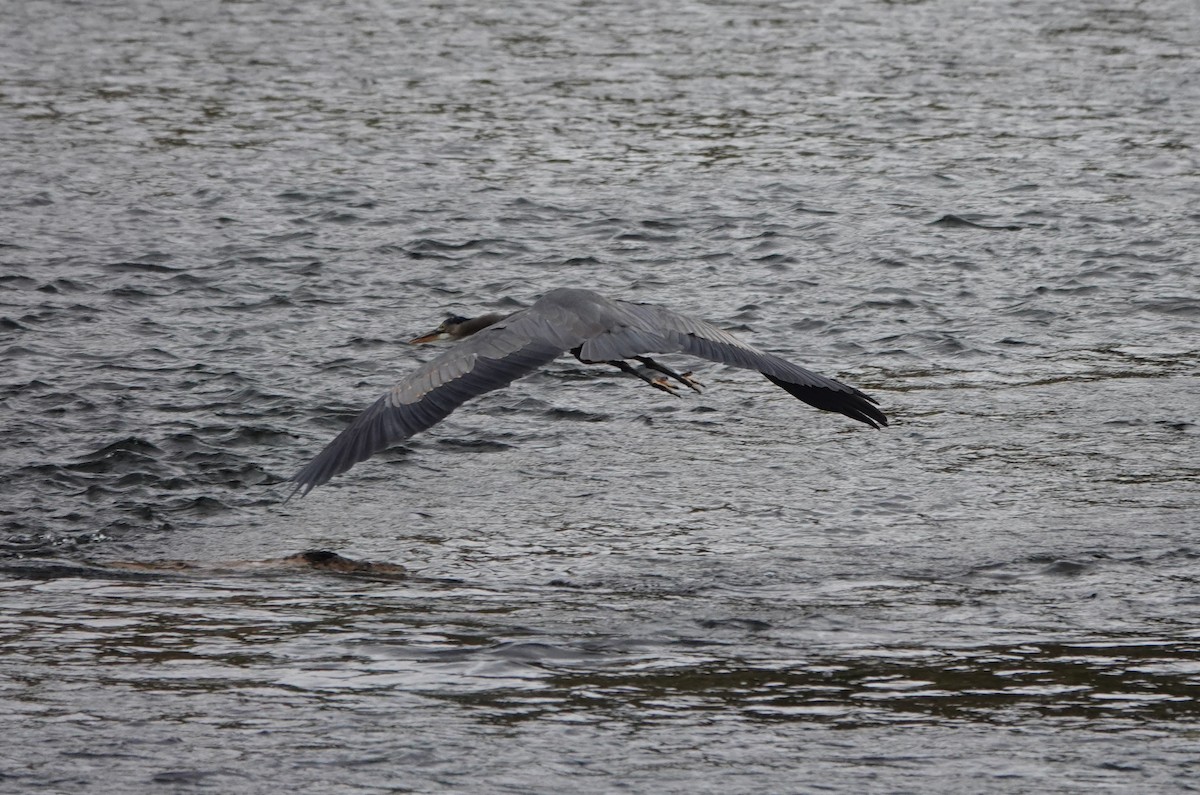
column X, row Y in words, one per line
column 218, row 223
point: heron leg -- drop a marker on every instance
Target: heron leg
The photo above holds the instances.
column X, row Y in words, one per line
column 657, row 383
column 683, row 378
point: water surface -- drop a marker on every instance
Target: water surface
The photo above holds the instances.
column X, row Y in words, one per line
column 218, row 223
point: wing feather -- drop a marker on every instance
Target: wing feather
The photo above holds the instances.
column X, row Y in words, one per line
column 680, row 334
column 431, row 393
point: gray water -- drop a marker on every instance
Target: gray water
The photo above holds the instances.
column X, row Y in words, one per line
column 220, row 221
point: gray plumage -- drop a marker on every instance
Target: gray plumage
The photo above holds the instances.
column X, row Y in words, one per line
column 498, row 350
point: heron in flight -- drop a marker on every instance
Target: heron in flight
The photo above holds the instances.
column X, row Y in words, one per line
column 498, row 349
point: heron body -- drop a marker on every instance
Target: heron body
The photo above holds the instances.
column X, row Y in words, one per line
column 497, row 349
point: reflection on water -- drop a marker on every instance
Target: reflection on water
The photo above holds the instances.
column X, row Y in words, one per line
column 187, row 675
column 326, row 636
column 314, row 654
column 1097, row 681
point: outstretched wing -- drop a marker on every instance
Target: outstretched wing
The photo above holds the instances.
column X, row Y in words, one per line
column 492, row 358
column 599, row 330
column 654, row 329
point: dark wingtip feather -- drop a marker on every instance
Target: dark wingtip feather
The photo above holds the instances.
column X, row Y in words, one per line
column 301, row 487
column 384, row 424
column 358, row 441
column 852, row 403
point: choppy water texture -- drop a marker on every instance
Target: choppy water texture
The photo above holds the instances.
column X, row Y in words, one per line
column 218, row 221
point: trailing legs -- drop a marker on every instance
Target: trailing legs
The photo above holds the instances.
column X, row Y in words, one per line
column 658, row 383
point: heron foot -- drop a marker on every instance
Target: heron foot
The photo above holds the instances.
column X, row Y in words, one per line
column 658, row 383
column 683, row 378
column 662, row 383
column 691, row 382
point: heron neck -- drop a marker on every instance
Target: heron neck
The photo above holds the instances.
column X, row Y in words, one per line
column 478, row 324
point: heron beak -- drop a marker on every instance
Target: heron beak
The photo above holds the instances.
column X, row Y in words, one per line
column 432, row 336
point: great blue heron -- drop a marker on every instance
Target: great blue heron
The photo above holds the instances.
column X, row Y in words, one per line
column 498, row 349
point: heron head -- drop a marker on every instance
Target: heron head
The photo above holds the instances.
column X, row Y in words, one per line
column 456, row 327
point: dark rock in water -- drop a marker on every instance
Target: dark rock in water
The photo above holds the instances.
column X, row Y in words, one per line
column 952, row 221
column 325, row 560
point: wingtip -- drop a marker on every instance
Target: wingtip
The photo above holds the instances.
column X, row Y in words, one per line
column 874, row 417
column 301, row 488
column 843, row 400
column 875, row 420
